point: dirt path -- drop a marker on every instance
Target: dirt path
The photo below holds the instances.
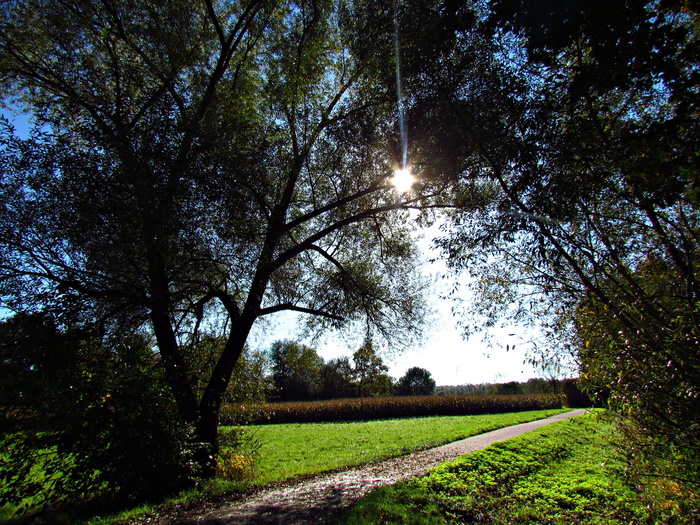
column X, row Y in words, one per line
column 310, row 500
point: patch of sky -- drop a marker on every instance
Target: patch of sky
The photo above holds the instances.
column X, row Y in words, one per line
column 20, row 121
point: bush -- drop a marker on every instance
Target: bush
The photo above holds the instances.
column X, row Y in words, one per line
column 665, row 468
column 238, row 455
column 575, row 398
column 104, row 428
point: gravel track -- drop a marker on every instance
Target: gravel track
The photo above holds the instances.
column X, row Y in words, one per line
column 310, row 500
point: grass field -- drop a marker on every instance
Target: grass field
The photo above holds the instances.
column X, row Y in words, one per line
column 566, row 473
column 293, row 450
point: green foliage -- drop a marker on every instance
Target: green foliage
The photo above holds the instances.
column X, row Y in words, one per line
column 104, row 427
column 575, row 398
column 568, row 472
column 296, row 371
column 649, row 370
column 250, row 381
column 415, row 382
column 664, row 470
column 337, row 379
column 387, row 407
column 35, row 361
column 238, row 458
column 507, row 389
column 370, row 372
column 300, row 374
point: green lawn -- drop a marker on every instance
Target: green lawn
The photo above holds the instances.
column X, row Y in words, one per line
column 566, row 473
column 293, row 450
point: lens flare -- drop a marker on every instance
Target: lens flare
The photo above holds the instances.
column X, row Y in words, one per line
column 402, row 180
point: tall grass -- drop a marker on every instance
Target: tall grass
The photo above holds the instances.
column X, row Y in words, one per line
column 360, row 409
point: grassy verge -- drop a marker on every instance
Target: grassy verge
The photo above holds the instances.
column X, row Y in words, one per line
column 568, row 472
column 294, row 450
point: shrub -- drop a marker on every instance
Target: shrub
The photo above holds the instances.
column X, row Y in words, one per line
column 105, row 430
column 575, row 398
column 238, row 452
column 665, row 469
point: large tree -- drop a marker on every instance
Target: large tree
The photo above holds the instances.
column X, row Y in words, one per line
column 196, row 165
column 337, row 376
column 416, row 381
column 371, row 378
column 296, row 371
column 590, row 162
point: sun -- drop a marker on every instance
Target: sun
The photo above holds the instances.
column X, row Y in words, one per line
column 402, row 180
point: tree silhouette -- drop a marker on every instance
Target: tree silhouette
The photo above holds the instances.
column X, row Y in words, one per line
column 415, row 382
column 196, row 166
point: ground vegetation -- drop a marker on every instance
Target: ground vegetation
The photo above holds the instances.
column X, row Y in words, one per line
column 569, row 472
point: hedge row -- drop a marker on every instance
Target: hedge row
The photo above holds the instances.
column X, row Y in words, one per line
column 383, row 408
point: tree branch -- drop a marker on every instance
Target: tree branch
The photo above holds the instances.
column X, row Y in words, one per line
column 295, row 308
column 375, row 186
column 230, row 305
column 309, row 242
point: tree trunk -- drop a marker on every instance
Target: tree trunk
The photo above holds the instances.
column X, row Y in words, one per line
column 207, row 425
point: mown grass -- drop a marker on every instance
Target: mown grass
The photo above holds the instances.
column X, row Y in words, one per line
column 293, row 450
column 566, row 473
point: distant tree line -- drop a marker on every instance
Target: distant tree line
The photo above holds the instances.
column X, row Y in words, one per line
column 298, row 373
column 531, row 386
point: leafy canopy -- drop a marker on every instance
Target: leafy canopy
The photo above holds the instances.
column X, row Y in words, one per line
column 197, row 165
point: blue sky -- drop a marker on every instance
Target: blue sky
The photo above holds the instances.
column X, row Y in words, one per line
column 20, row 121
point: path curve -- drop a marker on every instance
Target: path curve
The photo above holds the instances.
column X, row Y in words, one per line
column 310, row 500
